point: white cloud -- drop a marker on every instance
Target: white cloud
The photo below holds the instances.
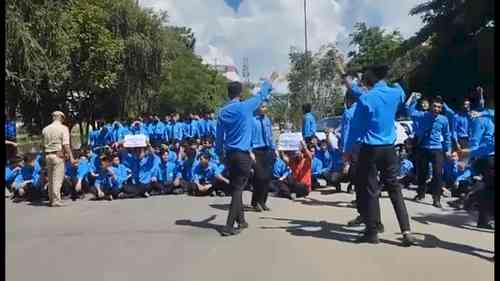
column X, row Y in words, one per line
column 264, row 30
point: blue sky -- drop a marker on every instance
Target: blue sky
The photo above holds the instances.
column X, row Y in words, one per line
column 264, row 30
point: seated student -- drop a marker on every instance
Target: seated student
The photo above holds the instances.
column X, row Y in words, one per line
column 406, row 169
column 28, row 183
column 317, row 167
column 169, row 173
column 300, row 163
column 83, row 169
column 203, row 180
column 332, row 164
column 283, row 181
column 104, row 187
column 207, row 145
column 187, row 163
column 120, row 174
column 456, row 175
column 12, row 170
column 144, row 166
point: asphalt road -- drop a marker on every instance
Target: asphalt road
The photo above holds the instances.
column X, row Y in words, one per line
column 175, row 238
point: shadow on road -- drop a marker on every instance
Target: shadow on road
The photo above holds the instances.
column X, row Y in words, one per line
column 206, row 223
column 225, row 207
column 432, row 241
column 328, row 230
column 318, row 229
column 316, row 202
column 460, row 219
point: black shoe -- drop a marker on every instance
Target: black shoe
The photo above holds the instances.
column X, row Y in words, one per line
column 486, row 226
column 338, row 188
column 408, row 239
column 457, row 204
column 256, row 208
column 221, row 193
column 213, row 194
column 368, row 238
column 265, row 207
column 418, row 198
column 437, row 204
column 356, row 222
column 228, row 231
column 243, row 225
column 380, row 228
column 349, row 189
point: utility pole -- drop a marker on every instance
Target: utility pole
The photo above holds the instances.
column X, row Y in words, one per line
column 306, row 52
column 245, row 71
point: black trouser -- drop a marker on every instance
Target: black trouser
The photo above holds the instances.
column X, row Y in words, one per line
column 373, row 159
column 261, row 180
column 239, row 164
column 332, row 178
column 436, row 157
column 289, row 186
column 486, row 198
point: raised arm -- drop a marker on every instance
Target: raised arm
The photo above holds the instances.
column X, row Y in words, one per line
column 254, row 102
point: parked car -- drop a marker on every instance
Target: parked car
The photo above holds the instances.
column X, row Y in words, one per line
column 403, row 127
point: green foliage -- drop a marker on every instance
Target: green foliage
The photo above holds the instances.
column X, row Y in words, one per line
column 322, row 71
column 101, row 58
column 374, row 45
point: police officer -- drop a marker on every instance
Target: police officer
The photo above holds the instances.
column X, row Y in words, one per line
column 373, row 124
column 233, row 138
column 57, row 148
column 263, row 150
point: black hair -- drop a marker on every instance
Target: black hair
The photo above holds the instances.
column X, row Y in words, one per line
column 28, row 157
column 234, row 89
column 437, row 99
column 205, row 155
column 306, row 108
column 379, row 70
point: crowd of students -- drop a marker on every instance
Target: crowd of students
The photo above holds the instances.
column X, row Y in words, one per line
column 181, row 157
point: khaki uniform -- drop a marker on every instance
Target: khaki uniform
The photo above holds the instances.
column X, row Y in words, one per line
column 54, row 137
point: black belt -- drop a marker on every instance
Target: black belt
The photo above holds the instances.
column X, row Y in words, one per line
column 377, row 145
column 263, row 148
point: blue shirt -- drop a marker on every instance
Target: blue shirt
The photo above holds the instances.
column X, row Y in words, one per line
column 28, row 173
column 280, row 169
column 405, row 168
column 204, row 175
column 118, row 132
column 451, row 172
column 459, row 123
column 187, row 167
column 434, row 130
column 262, row 132
column 157, row 131
column 10, row 174
column 104, row 138
column 211, row 127
column 177, row 131
column 169, row 171
column 374, row 117
column 317, row 167
column 10, row 130
column 309, row 125
column 142, row 169
column 122, row 174
column 482, row 139
column 235, row 121
column 345, row 126
column 202, row 127
column 92, row 137
column 138, row 129
column 83, row 169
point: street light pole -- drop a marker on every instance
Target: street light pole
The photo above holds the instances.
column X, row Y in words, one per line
column 305, row 47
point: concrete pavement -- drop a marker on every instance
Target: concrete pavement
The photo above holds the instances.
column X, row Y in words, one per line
column 174, row 238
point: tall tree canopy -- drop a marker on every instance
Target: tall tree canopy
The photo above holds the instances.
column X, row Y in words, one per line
column 101, row 59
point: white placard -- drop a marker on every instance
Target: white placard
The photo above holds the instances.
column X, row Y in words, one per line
column 289, row 141
column 135, row 141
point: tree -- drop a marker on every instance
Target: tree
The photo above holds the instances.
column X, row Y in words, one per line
column 373, row 45
column 325, row 73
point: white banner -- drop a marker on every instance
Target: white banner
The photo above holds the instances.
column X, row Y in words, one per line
column 132, row 141
column 289, row 141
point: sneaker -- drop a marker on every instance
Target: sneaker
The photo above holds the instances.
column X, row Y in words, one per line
column 408, row 239
column 293, row 196
column 437, row 203
column 356, row 222
column 486, row 226
column 228, row 231
column 109, row 197
column 145, row 194
column 122, row 195
column 56, row 204
column 418, row 198
column 446, row 193
column 243, row 225
column 256, row 208
column 221, row 193
column 265, row 207
column 368, row 238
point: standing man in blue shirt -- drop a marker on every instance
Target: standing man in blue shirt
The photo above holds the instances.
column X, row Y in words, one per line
column 10, row 137
column 435, row 143
column 177, row 129
column 233, row 143
column 263, row 149
column 308, row 123
column 373, row 124
column 459, row 124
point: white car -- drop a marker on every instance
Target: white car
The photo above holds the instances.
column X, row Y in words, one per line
column 403, row 127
